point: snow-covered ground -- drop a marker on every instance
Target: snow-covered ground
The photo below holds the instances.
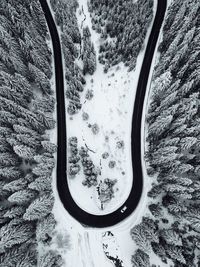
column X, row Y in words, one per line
column 111, row 108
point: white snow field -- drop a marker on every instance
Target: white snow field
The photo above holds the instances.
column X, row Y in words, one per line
column 111, row 108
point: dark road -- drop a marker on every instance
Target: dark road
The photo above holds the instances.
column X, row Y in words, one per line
column 137, row 186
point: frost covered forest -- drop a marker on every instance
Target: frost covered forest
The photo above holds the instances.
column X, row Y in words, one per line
column 171, row 230
column 26, row 154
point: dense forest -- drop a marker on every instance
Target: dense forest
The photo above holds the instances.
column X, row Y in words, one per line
column 172, row 230
column 76, row 45
column 123, row 26
column 26, row 154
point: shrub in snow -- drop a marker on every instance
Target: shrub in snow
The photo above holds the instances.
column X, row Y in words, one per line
column 73, row 107
column 120, row 144
column 112, row 164
column 85, row 116
column 95, row 128
column 105, row 190
column 62, row 240
column 89, row 94
column 105, row 155
column 74, row 159
column 74, row 169
column 73, row 141
column 83, row 152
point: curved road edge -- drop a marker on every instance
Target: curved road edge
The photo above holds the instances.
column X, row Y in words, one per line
column 62, row 185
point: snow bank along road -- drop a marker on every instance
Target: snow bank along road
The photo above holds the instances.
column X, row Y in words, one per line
column 132, row 201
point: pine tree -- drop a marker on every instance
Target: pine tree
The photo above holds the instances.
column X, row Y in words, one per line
column 45, row 229
column 140, row 259
column 24, row 152
column 39, row 208
column 15, row 235
column 10, row 173
column 50, row 259
column 42, row 183
column 22, row 197
column 8, row 159
column 16, row 185
column 49, row 147
column 175, row 252
column 14, row 212
column 171, row 237
column 18, row 254
column 143, row 236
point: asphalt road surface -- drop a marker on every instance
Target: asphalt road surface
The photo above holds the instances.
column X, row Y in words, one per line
column 137, row 186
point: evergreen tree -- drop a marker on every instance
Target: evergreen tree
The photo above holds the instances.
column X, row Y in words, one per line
column 50, row 259
column 45, row 229
column 39, row 208
column 22, row 197
column 140, row 259
column 12, row 235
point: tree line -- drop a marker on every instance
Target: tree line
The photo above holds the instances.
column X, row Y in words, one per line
column 172, row 229
column 76, row 45
column 26, row 153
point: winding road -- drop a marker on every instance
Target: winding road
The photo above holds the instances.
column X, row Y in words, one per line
column 137, row 186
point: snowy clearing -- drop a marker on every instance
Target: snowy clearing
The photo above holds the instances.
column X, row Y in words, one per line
column 111, row 108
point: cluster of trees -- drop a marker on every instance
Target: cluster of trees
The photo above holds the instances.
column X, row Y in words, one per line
column 65, row 15
column 123, row 26
column 106, row 190
column 173, row 136
column 26, row 154
column 74, row 166
column 88, row 53
column 71, row 39
column 81, row 155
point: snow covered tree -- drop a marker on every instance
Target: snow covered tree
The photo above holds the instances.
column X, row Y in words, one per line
column 39, row 208
column 175, row 253
column 10, row 173
column 42, row 183
column 16, row 185
column 25, row 67
column 140, row 259
column 171, row 237
column 49, row 147
column 22, row 197
column 50, row 259
column 15, row 234
column 14, row 212
column 19, row 255
column 45, row 229
column 156, row 210
column 143, row 235
column 24, row 152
